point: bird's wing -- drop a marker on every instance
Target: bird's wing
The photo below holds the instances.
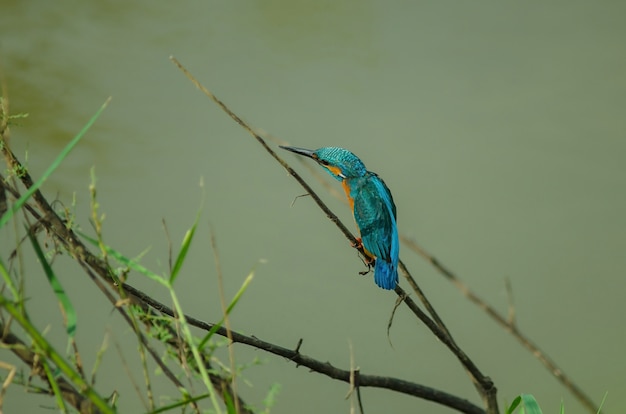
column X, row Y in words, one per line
column 374, row 213
column 382, row 187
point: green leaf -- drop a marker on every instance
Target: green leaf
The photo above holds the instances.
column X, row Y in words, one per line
column 516, row 402
column 184, row 249
column 230, row 307
column 187, row 400
column 188, row 337
column 228, row 400
column 270, row 398
column 58, row 396
column 126, row 261
column 57, row 288
column 7, row 280
column 530, row 404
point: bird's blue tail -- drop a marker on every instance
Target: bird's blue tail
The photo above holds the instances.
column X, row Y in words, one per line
column 386, row 274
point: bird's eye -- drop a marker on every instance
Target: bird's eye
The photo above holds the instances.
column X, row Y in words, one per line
column 323, row 162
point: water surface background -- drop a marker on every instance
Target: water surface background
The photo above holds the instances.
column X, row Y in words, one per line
column 499, row 127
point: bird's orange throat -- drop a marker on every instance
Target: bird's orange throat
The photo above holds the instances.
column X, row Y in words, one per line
column 335, row 170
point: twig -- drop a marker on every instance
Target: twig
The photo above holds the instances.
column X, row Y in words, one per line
column 7, row 381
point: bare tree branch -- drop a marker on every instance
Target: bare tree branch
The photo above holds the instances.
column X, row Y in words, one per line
column 325, row 368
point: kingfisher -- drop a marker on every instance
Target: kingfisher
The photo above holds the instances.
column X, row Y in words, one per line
column 372, row 206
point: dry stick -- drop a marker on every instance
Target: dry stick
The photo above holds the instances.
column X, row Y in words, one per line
column 509, row 325
column 483, row 383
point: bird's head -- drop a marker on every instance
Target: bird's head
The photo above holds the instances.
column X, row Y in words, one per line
column 339, row 162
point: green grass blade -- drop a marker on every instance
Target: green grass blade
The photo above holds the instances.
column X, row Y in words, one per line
column 606, row 394
column 126, row 261
column 55, row 164
column 178, row 404
column 230, row 307
column 57, row 288
column 228, row 401
column 516, row 402
column 7, row 280
column 186, row 333
column 55, row 387
column 530, row 404
column 184, row 249
column 270, row 399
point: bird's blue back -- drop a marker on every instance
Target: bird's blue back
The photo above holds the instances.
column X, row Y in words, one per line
column 375, row 216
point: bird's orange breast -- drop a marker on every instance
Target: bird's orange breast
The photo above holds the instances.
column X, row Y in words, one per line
column 346, row 189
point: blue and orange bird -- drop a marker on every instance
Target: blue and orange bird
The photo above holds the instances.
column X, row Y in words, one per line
column 372, row 206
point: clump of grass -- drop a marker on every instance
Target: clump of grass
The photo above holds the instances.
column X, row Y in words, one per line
column 63, row 374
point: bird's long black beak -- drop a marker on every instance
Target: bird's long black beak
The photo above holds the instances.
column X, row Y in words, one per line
column 301, row 151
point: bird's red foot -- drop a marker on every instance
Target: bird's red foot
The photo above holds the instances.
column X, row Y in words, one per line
column 358, row 244
column 368, row 260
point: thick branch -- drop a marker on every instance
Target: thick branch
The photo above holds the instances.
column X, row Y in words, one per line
column 325, row 368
